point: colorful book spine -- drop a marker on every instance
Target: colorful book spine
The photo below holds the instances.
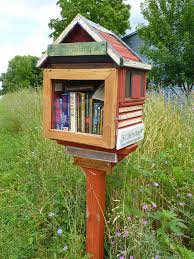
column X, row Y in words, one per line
column 78, row 112
column 82, row 110
column 66, row 111
column 73, row 113
column 87, row 113
column 95, row 118
column 101, row 120
column 99, row 107
column 91, row 115
column 58, row 113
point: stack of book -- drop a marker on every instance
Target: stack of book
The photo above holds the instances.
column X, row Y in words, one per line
column 78, row 112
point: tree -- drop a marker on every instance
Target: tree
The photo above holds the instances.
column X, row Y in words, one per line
column 168, row 41
column 112, row 14
column 21, row 73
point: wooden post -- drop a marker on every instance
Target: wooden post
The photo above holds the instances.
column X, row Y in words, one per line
column 95, row 204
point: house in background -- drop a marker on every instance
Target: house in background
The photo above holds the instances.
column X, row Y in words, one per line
column 134, row 42
column 170, row 93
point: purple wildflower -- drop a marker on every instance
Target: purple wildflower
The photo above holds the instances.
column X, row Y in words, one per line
column 59, row 231
column 156, row 184
column 126, row 233
column 131, row 257
column 156, row 257
column 121, row 257
column 189, row 195
column 118, row 234
column 154, row 206
column 145, row 207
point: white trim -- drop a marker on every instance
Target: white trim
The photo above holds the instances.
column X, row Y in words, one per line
column 116, row 57
column 67, row 30
column 135, row 64
column 97, row 37
column 42, row 59
column 59, row 39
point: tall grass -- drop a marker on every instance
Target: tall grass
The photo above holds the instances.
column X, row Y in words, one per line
column 149, row 195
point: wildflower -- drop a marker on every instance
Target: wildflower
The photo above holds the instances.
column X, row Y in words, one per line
column 189, row 195
column 154, row 206
column 51, row 214
column 156, row 184
column 121, row 257
column 143, row 221
column 118, row 234
column 131, row 257
column 156, row 257
column 129, row 218
column 126, row 233
column 65, row 248
column 59, row 231
column 145, row 207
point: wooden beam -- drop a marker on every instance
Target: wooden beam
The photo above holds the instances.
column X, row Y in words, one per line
column 78, row 49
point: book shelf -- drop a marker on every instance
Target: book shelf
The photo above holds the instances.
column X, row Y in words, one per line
column 78, row 106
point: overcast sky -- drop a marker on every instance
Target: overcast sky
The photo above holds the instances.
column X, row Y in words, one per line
column 24, row 26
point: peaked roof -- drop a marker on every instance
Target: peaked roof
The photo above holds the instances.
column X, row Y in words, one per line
column 117, row 49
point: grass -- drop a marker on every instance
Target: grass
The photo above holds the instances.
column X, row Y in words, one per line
column 149, row 203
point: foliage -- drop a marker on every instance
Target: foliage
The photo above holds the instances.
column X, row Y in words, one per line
column 112, row 14
column 21, row 73
column 149, row 195
column 168, row 41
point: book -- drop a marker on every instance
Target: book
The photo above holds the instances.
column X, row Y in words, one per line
column 91, row 115
column 87, row 113
column 66, row 111
column 73, row 113
column 101, row 120
column 82, row 111
column 95, row 118
column 99, row 107
column 78, row 112
column 58, row 113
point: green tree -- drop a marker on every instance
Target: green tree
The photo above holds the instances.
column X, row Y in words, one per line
column 169, row 41
column 112, row 14
column 21, row 73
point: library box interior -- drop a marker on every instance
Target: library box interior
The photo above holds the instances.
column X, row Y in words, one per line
column 94, row 88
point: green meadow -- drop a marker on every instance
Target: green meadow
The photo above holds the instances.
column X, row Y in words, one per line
column 150, row 209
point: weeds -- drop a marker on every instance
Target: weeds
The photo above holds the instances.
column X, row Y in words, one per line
column 149, row 195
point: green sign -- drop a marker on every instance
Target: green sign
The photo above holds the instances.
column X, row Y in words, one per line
column 77, row 49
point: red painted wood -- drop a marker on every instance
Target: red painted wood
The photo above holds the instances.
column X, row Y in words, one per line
column 95, row 205
column 136, row 85
column 78, row 35
column 119, row 47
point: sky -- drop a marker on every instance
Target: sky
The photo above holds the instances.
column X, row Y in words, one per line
column 24, row 26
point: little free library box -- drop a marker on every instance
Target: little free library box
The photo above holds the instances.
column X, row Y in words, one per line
column 94, row 89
